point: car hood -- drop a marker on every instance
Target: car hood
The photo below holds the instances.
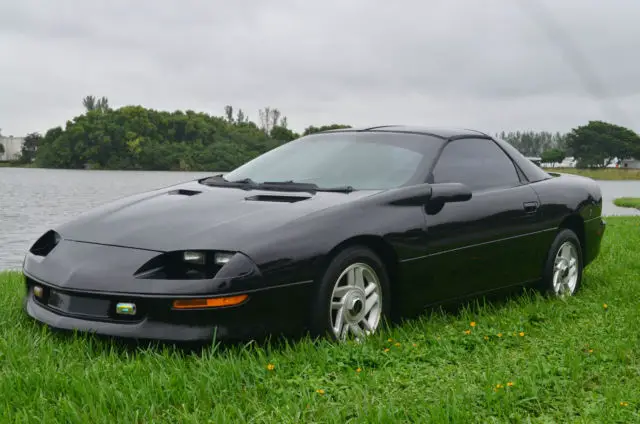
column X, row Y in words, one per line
column 196, row 216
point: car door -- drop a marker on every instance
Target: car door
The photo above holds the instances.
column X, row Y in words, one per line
column 489, row 241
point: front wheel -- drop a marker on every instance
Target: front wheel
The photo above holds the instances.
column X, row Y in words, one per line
column 563, row 270
column 352, row 301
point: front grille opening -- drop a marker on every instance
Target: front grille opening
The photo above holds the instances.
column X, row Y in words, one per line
column 87, row 306
column 184, row 192
column 276, row 198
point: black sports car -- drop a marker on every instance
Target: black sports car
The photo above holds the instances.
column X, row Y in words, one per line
column 331, row 233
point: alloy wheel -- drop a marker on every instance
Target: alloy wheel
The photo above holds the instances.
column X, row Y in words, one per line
column 356, row 302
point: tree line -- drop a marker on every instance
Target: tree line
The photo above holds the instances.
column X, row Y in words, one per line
column 134, row 137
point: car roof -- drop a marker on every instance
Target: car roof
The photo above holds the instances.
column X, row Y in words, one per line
column 440, row 132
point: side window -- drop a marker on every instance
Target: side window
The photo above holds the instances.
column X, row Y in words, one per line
column 478, row 163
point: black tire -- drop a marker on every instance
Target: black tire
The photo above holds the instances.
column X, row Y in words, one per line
column 321, row 315
column 562, row 238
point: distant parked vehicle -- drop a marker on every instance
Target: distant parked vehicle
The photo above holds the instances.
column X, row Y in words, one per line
column 332, row 233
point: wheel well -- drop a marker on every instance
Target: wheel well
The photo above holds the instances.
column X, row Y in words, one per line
column 379, row 246
column 575, row 223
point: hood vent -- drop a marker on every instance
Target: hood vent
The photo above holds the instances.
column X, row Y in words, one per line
column 276, row 198
column 183, row 192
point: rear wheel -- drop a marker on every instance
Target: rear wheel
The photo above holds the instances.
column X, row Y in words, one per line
column 563, row 269
column 353, row 296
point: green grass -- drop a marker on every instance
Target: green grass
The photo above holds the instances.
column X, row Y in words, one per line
column 627, row 202
column 575, row 362
column 601, row 174
column 13, row 164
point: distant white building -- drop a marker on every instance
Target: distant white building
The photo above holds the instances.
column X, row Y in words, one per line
column 569, row 162
column 12, row 147
column 630, row 163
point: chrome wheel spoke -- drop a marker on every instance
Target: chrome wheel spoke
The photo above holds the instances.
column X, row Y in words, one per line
column 338, row 321
column 339, row 292
column 366, row 325
column 351, row 277
column 357, row 331
column 371, row 302
column 359, row 278
column 345, row 332
column 371, row 287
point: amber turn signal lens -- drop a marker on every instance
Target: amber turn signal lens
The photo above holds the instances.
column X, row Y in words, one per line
column 215, row 302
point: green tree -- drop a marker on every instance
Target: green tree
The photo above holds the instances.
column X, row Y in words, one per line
column 283, row 134
column 133, row 137
column 228, row 111
column 1, row 149
column 534, row 143
column 598, row 143
column 554, row 155
column 30, row 147
column 90, row 103
column 312, row 130
column 269, row 118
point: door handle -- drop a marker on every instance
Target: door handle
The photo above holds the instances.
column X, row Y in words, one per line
column 530, row 207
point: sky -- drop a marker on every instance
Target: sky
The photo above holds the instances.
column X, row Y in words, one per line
column 490, row 65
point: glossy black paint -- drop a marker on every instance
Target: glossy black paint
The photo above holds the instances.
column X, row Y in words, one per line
column 440, row 242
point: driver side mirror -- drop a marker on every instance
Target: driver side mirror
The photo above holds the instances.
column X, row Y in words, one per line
column 450, row 192
column 443, row 193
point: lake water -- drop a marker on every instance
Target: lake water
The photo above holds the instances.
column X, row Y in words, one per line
column 35, row 200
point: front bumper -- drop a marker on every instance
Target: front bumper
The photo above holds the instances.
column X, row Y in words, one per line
column 81, row 284
column 155, row 319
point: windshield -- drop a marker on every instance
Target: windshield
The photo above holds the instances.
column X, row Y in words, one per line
column 362, row 160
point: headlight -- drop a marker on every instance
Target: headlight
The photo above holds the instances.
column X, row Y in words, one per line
column 200, row 258
column 185, row 265
column 195, row 257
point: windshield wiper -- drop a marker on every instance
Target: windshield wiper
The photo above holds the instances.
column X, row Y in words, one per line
column 339, row 189
column 249, row 184
column 220, row 181
column 297, row 186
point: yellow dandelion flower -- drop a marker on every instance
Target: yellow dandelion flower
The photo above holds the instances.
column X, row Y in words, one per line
column 389, row 340
column 271, row 367
column 320, row 391
column 499, row 386
column 624, row 403
column 467, row 331
column 510, row 384
column 397, row 345
column 499, row 334
column 386, row 349
column 521, row 334
column 472, row 323
column 590, row 350
column 358, row 369
column 605, row 306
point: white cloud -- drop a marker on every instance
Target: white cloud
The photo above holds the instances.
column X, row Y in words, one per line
column 491, row 64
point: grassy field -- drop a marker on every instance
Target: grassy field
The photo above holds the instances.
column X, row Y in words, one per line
column 526, row 360
column 628, row 202
column 601, row 174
